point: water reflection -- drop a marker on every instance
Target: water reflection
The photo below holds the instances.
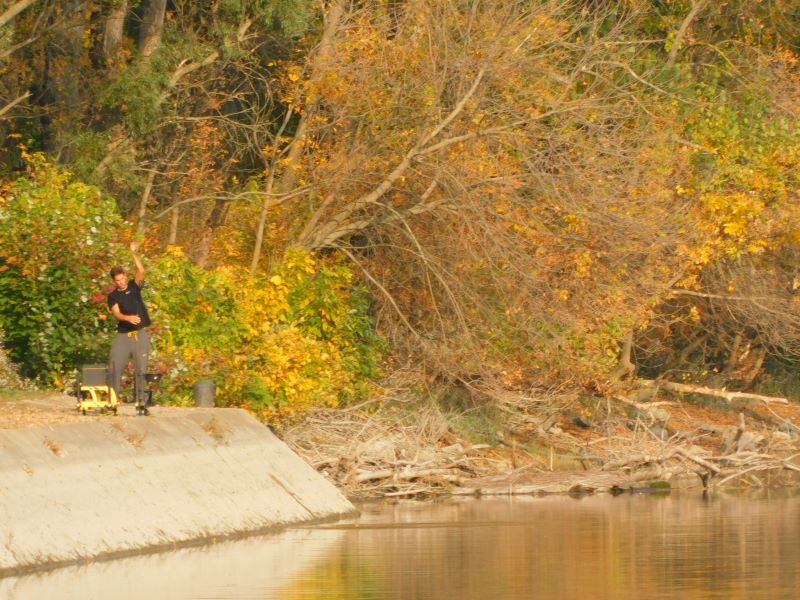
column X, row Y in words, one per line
column 237, row 569
column 632, row 546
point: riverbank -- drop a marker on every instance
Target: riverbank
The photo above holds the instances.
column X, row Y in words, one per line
column 405, row 445
column 401, row 444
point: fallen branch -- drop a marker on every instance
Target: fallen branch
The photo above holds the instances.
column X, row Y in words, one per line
column 742, row 472
column 409, row 492
column 700, row 461
column 684, row 388
column 636, row 461
column 407, row 475
column 643, row 405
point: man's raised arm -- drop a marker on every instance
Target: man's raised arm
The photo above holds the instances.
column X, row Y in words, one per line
column 139, row 276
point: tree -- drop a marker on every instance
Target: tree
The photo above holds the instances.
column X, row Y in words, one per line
column 536, row 192
column 418, row 125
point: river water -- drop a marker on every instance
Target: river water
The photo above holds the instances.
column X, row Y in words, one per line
column 641, row 546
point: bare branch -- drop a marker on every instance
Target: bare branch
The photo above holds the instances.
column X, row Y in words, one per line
column 697, row 6
column 717, row 296
column 313, row 239
column 13, row 103
column 15, row 9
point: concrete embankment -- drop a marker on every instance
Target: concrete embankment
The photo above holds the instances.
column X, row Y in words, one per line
column 123, row 485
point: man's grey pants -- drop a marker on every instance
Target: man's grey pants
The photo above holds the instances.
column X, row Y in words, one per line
column 137, row 344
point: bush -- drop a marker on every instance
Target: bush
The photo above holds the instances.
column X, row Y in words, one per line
column 278, row 345
column 58, row 237
column 9, row 376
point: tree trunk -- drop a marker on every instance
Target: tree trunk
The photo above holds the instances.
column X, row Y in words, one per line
column 71, row 36
column 112, row 35
column 267, row 203
column 152, row 27
column 733, row 358
column 215, row 219
column 287, row 181
column 61, row 85
column 697, row 6
column 626, row 366
column 759, row 354
column 262, row 222
column 173, row 226
column 148, row 187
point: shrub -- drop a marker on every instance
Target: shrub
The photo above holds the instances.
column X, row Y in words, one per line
column 9, row 375
column 279, row 344
column 58, row 237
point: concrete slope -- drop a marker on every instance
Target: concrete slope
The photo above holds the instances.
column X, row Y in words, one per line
column 120, row 486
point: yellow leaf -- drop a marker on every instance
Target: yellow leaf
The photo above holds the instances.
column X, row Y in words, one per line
column 694, row 314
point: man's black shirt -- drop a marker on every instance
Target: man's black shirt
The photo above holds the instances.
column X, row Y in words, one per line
column 130, row 303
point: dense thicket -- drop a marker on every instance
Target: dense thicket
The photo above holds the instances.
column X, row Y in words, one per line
column 537, row 194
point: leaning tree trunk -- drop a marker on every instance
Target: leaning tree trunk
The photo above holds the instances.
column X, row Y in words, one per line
column 626, row 366
column 333, row 20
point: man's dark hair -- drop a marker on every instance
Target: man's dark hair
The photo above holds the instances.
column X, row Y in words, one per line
column 116, row 270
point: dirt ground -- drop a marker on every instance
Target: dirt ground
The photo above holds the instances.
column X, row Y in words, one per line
column 20, row 410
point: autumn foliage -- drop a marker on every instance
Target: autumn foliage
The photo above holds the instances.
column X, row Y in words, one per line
column 278, row 344
column 514, row 195
column 58, row 238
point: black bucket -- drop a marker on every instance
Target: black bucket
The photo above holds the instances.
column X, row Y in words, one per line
column 203, row 392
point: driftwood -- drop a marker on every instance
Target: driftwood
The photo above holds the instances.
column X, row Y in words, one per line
column 369, row 454
column 715, row 471
column 646, row 472
column 527, row 481
column 451, row 475
column 399, row 447
column 684, row 388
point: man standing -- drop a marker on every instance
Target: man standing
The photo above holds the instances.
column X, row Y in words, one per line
column 127, row 306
